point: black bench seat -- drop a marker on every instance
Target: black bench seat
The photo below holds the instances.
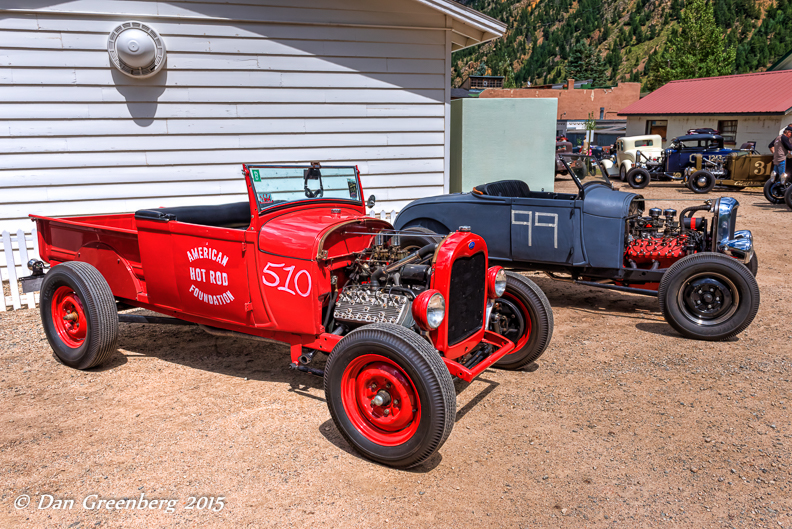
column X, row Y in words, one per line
column 236, row 215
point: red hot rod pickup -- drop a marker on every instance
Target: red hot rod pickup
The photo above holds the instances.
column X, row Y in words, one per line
column 301, row 263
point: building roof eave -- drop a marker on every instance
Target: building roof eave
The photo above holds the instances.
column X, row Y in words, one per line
column 468, row 26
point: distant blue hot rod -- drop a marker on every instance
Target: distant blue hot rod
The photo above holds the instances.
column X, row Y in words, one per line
column 701, row 268
column 701, row 162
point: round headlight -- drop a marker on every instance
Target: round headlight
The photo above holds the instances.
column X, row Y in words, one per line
column 500, row 282
column 428, row 309
column 435, row 310
column 496, row 282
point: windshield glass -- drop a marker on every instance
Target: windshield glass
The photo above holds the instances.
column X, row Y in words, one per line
column 281, row 184
column 585, row 169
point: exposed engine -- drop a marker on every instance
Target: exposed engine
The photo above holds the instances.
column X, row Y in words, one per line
column 383, row 281
column 659, row 240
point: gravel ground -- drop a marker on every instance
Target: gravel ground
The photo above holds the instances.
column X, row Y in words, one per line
column 622, row 423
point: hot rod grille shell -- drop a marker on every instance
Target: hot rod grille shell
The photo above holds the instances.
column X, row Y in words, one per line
column 465, row 300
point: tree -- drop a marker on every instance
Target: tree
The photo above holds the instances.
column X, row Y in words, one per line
column 697, row 50
column 585, row 62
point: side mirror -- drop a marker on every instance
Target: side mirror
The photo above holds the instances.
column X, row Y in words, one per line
column 371, row 201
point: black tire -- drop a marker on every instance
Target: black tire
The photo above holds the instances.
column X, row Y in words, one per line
column 734, row 294
column 420, row 364
column 623, row 173
column 788, row 197
column 753, row 265
column 78, row 288
column 638, row 178
column 774, row 192
column 523, row 303
column 706, row 184
column 416, row 237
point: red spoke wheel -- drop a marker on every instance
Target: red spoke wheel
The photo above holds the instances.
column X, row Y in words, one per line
column 390, row 395
column 79, row 316
column 523, row 315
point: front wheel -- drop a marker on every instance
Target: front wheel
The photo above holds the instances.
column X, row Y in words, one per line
column 523, row 315
column 701, row 181
column 708, row 296
column 638, row 178
column 774, row 191
column 390, row 394
column 79, row 315
column 788, row 197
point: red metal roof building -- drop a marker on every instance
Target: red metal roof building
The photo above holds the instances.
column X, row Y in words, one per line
column 747, row 107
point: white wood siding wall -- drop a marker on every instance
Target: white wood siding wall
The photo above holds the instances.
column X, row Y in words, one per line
column 242, row 84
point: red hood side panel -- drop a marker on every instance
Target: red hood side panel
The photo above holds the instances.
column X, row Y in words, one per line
column 298, row 233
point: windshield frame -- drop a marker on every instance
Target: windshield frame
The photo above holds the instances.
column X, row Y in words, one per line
column 566, row 158
column 248, row 171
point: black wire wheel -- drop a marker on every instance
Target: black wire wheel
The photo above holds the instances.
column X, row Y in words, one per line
column 709, row 296
column 701, row 181
column 774, row 191
column 638, row 178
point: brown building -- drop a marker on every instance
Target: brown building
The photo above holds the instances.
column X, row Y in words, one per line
column 579, row 103
column 482, row 82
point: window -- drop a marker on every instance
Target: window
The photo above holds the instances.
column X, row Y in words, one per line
column 654, row 126
column 728, row 130
column 602, row 112
column 644, row 143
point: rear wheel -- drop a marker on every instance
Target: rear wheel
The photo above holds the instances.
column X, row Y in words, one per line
column 638, row 178
column 416, row 237
column 523, row 316
column 390, row 395
column 79, row 315
column 623, row 173
column 774, row 191
column 708, row 296
column 701, row 181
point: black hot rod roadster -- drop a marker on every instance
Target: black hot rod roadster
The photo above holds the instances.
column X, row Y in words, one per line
column 695, row 261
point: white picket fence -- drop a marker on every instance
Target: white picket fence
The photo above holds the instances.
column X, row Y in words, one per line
column 390, row 216
column 17, row 249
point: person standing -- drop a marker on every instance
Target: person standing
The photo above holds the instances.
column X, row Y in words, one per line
column 781, row 147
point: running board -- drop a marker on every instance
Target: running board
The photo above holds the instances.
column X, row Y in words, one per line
column 134, row 318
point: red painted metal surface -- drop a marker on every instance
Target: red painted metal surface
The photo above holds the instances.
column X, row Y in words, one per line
column 504, row 346
column 390, row 424
column 455, row 246
column 68, row 317
column 270, row 279
column 752, row 93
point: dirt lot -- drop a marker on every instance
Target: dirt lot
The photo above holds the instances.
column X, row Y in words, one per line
column 622, row 423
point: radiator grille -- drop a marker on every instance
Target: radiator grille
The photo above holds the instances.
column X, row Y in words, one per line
column 466, row 298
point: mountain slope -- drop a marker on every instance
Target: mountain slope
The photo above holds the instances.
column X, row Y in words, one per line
column 627, row 34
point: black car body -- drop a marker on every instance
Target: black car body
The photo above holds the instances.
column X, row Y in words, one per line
column 599, row 237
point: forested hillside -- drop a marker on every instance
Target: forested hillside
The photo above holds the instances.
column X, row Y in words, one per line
column 548, row 39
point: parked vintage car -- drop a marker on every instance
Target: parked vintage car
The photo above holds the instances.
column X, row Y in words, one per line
column 301, row 263
column 701, row 268
column 701, row 162
column 561, row 147
column 651, row 146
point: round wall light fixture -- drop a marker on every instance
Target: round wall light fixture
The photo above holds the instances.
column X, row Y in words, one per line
column 136, row 49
